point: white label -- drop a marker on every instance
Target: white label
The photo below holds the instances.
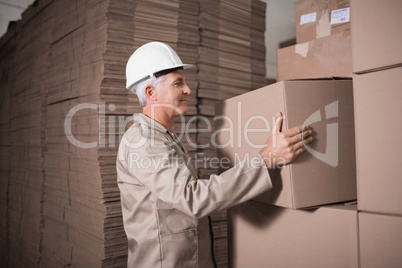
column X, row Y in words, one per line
column 340, row 16
column 308, row 18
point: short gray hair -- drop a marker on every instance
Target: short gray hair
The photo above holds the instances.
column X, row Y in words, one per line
column 139, row 88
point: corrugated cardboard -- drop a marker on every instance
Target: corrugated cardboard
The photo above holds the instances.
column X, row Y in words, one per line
column 329, row 56
column 377, row 98
column 60, row 204
column 310, row 180
column 380, row 240
column 269, row 236
column 320, row 18
column 377, row 38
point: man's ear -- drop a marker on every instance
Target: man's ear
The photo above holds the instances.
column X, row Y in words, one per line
column 151, row 93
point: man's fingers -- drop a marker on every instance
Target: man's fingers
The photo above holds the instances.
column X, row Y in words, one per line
column 297, row 146
column 296, row 130
column 278, row 123
column 299, row 152
column 298, row 137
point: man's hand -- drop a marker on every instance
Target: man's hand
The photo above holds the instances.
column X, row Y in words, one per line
column 282, row 148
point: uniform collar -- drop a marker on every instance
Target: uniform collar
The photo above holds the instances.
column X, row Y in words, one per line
column 148, row 121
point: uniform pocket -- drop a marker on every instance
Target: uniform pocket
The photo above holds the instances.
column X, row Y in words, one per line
column 179, row 239
column 180, row 249
column 173, row 221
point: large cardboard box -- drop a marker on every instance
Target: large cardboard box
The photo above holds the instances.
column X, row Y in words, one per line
column 329, row 56
column 326, row 172
column 320, row 18
column 376, row 34
column 378, row 109
column 269, row 236
column 380, row 240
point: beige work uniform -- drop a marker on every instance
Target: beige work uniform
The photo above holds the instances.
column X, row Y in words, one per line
column 165, row 205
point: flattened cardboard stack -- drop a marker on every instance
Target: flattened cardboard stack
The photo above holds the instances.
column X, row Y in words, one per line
column 66, row 109
column 231, row 56
column 232, row 51
column 231, row 61
column 27, row 112
column 75, row 209
column 117, row 105
column 177, row 25
column 8, row 50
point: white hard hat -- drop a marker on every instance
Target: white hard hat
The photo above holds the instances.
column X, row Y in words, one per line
column 152, row 59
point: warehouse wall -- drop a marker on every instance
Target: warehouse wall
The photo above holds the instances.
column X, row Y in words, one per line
column 10, row 10
column 280, row 21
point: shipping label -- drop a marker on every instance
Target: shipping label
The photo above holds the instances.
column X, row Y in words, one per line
column 308, row 18
column 340, row 16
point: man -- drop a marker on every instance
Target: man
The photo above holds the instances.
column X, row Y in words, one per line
column 165, row 205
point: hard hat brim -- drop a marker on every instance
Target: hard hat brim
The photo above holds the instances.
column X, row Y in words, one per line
column 173, row 68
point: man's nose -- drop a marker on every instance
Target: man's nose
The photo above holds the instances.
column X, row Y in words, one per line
column 186, row 90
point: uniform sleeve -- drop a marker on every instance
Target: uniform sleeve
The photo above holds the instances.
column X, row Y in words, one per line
column 159, row 168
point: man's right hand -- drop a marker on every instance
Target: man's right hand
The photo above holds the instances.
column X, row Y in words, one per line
column 282, row 148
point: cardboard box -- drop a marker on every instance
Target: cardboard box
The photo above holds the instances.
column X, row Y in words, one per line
column 380, row 240
column 320, row 18
column 330, row 56
column 377, row 38
column 326, row 173
column 377, row 98
column 269, row 236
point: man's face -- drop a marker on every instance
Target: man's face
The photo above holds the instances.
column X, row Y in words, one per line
column 172, row 95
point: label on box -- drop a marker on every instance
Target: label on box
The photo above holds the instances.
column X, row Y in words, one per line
column 340, row 16
column 308, row 18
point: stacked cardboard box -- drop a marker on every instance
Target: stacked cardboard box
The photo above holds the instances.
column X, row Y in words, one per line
column 272, row 236
column 323, row 46
column 325, row 174
column 329, row 56
column 317, row 19
column 377, row 85
column 378, row 216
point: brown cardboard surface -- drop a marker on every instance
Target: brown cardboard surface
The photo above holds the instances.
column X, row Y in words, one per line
column 380, row 240
column 308, row 181
column 377, row 38
column 62, row 199
column 269, row 236
column 321, row 26
column 329, row 56
column 377, row 98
